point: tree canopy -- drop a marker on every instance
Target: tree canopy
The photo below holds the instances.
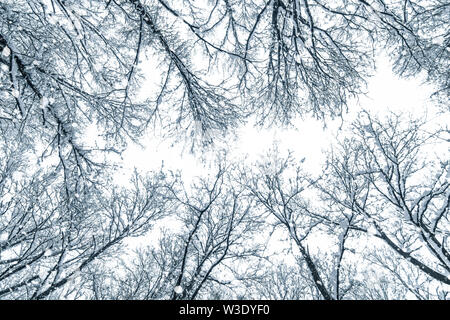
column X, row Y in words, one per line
column 81, row 80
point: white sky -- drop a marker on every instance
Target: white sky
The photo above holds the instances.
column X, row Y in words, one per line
column 308, row 139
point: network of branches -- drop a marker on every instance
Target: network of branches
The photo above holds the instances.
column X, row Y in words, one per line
column 81, row 80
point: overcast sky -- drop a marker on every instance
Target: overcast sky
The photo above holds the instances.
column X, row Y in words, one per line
column 307, row 138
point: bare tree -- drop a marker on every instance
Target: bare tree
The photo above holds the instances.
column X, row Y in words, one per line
column 47, row 239
column 388, row 177
column 217, row 226
column 417, row 35
column 283, row 189
column 62, row 73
